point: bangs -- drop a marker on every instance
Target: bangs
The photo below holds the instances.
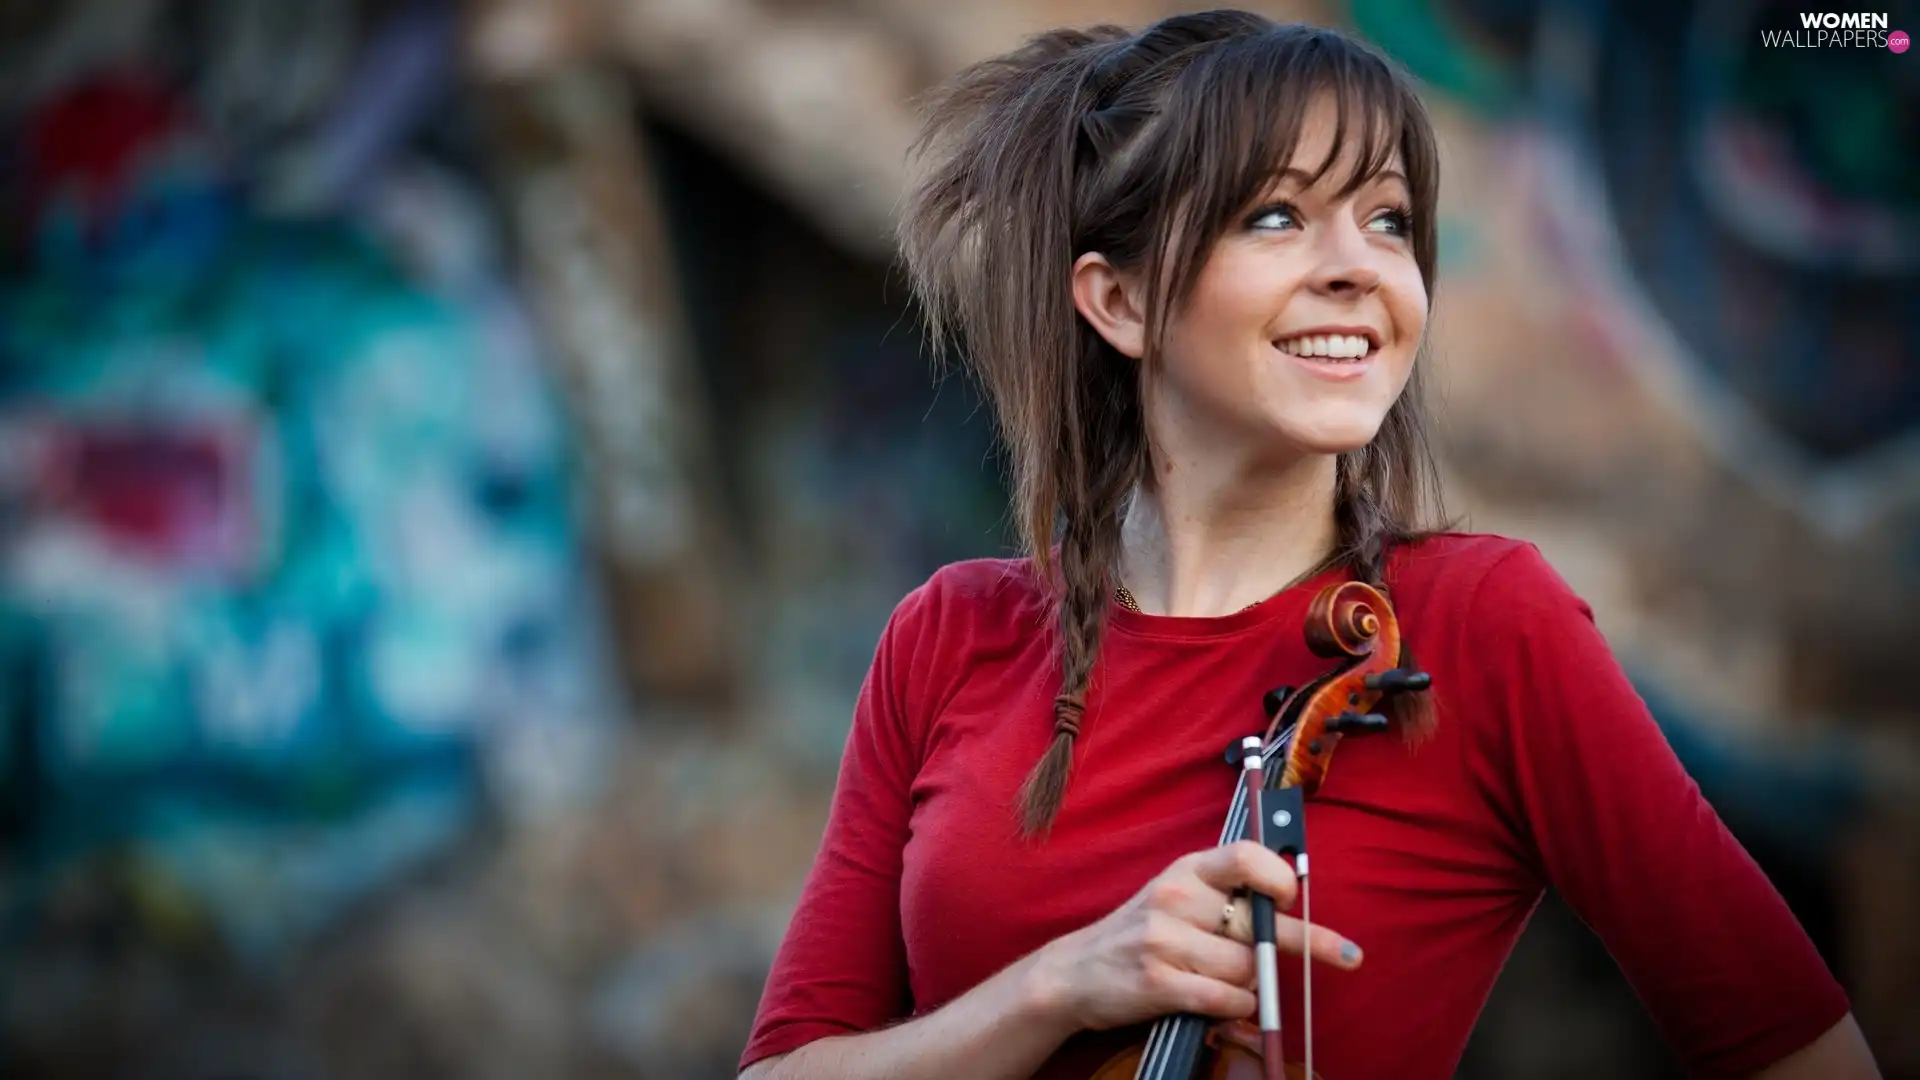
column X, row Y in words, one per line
column 1235, row 121
column 1373, row 115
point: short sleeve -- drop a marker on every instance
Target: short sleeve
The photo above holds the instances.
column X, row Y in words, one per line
column 1623, row 832
column 841, row 969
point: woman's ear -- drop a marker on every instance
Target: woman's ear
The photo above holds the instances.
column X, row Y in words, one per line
column 1110, row 300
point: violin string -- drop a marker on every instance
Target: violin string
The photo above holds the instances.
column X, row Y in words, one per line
column 1158, row 1060
column 1150, row 1060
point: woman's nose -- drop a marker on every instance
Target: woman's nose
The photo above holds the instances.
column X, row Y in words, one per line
column 1345, row 268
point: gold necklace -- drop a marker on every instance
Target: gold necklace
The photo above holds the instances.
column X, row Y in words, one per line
column 1125, row 596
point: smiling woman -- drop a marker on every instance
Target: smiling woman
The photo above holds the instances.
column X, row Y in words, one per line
column 1325, row 270
column 1192, row 267
column 1195, row 153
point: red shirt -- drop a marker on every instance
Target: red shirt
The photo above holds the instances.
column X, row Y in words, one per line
column 1546, row 770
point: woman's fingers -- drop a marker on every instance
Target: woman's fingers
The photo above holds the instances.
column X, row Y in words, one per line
column 1179, row 946
column 1185, row 897
column 1329, row 946
column 1185, row 991
column 1292, row 936
column 1244, row 863
column 1183, row 945
column 1240, row 926
column 1253, row 866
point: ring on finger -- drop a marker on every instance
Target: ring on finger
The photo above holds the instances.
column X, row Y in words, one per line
column 1226, row 917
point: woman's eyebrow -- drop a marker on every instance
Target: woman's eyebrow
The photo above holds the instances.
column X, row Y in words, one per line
column 1305, row 179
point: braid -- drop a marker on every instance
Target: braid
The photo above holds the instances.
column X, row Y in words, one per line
column 1103, row 460
column 1089, row 547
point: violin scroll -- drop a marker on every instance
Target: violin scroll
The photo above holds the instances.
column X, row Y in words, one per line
column 1352, row 622
column 1344, row 621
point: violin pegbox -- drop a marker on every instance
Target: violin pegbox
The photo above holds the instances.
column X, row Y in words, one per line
column 1351, row 622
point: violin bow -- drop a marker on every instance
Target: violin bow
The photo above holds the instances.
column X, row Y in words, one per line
column 1283, row 828
column 1265, row 950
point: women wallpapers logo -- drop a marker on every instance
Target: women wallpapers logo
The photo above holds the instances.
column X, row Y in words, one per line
column 1855, row 29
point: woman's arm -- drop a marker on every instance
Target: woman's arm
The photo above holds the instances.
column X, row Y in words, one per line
column 1155, row 955
column 1840, row 1054
column 1607, row 814
column 842, row 964
column 1004, row 1027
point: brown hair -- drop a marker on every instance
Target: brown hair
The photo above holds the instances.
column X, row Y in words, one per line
column 1143, row 147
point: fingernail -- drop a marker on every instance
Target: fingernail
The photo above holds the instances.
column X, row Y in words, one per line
column 1349, row 953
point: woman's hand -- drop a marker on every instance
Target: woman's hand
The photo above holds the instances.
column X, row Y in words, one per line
column 1163, row 951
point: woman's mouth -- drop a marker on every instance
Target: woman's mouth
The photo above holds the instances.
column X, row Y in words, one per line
column 1336, row 356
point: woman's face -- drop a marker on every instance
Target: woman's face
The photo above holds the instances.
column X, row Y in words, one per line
column 1302, row 327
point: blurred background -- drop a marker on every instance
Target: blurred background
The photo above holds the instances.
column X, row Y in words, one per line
column 456, row 459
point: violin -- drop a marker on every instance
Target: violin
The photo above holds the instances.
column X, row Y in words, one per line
column 1351, row 623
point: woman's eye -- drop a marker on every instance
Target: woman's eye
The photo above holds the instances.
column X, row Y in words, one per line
column 1393, row 222
column 1273, row 217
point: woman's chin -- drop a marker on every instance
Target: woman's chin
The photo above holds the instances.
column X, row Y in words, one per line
column 1330, row 434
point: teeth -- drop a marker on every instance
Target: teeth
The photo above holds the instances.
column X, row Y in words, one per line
column 1334, row 347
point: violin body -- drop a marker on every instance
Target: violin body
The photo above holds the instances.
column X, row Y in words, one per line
column 1353, row 624
column 1231, row 1051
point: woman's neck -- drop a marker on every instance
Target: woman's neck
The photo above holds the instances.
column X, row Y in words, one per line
column 1201, row 545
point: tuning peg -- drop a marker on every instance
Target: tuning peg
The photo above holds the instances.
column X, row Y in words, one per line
column 1276, row 699
column 1398, row 681
column 1357, row 723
